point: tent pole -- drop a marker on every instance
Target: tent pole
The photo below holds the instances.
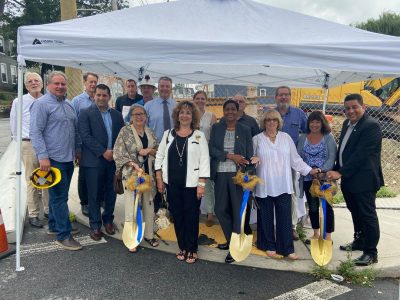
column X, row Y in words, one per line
column 325, row 87
column 18, row 171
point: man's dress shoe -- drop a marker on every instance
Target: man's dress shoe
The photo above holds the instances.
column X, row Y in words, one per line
column 85, row 210
column 353, row 246
column 110, row 228
column 35, row 222
column 229, row 259
column 96, row 234
column 223, row 246
column 366, row 260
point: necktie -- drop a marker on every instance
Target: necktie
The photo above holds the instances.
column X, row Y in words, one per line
column 166, row 117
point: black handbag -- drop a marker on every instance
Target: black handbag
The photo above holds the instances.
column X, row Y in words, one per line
column 117, row 182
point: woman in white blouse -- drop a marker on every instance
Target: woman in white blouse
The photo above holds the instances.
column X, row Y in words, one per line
column 277, row 156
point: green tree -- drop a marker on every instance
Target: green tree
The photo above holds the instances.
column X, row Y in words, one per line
column 33, row 12
column 387, row 23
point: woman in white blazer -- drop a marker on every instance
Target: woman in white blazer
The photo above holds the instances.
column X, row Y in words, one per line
column 182, row 167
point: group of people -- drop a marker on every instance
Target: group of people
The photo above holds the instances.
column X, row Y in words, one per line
column 190, row 156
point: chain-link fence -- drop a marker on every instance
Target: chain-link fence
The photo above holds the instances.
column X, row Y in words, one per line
column 260, row 99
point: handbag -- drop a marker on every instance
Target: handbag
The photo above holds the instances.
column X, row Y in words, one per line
column 117, row 182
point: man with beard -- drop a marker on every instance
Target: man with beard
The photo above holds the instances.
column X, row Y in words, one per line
column 294, row 123
column 98, row 127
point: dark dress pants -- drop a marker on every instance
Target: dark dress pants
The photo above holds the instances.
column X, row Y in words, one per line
column 82, row 187
column 99, row 185
column 281, row 239
column 365, row 220
column 184, row 206
column 228, row 200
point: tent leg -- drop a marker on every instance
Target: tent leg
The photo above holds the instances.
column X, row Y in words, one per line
column 325, row 86
column 18, row 171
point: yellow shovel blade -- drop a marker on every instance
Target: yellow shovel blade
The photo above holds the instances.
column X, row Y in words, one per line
column 130, row 234
column 240, row 245
column 321, row 251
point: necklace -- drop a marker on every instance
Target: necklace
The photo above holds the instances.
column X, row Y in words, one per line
column 180, row 154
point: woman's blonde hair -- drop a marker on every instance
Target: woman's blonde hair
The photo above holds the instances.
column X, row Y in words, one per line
column 195, row 114
column 271, row 114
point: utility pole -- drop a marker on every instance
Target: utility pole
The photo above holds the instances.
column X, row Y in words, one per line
column 68, row 11
column 114, row 5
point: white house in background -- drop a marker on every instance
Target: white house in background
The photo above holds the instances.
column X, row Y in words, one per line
column 8, row 65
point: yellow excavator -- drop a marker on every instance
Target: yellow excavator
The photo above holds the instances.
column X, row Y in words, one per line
column 378, row 94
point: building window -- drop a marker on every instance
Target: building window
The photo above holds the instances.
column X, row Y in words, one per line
column 11, row 47
column 263, row 92
column 1, row 44
column 13, row 74
column 3, row 71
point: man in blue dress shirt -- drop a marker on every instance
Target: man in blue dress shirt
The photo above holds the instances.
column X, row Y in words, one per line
column 294, row 123
column 159, row 110
column 80, row 102
column 55, row 139
column 99, row 126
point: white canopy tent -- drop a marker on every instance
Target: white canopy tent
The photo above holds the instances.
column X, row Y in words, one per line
column 210, row 41
column 215, row 42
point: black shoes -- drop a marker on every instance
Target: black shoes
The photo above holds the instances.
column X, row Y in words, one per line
column 366, row 260
column 35, row 222
column 353, row 246
column 229, row 259
column 85, row 210
column 223, row 246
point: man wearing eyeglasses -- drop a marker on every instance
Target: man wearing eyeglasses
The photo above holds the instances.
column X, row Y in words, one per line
column 34, row 85
column 358, row 165
column 294, row 123
column 80, row 102
column 98, row 127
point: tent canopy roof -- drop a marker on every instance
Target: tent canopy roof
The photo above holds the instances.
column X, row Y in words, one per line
column 216, row 42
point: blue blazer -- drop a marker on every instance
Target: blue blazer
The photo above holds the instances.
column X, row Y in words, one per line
column 93, row 134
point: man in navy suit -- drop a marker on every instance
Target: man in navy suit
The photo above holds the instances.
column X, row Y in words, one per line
column 358, row 165
column 98, row 127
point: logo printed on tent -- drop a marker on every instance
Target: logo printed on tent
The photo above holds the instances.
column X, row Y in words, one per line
column 36, row 42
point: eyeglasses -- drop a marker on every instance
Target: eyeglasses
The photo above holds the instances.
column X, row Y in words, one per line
column 138, row 115
column 271, row 120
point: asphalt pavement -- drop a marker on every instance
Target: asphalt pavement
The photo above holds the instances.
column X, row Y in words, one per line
column 106, row 270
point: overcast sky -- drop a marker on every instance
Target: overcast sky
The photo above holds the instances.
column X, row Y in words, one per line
column 340, row 11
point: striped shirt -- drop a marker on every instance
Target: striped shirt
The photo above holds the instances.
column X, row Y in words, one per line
column 53, row 129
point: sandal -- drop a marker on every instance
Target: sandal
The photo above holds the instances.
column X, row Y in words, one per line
column 153, row 242
column 181, row 255
column 133, row 250
column 293, row 256
column 273, row 254
column 191, row 258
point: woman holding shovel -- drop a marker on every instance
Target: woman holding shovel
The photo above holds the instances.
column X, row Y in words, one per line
column 135, row 148
column 317, row 148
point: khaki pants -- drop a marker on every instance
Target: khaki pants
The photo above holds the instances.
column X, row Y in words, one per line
column 33, row 194
column 147, row 208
